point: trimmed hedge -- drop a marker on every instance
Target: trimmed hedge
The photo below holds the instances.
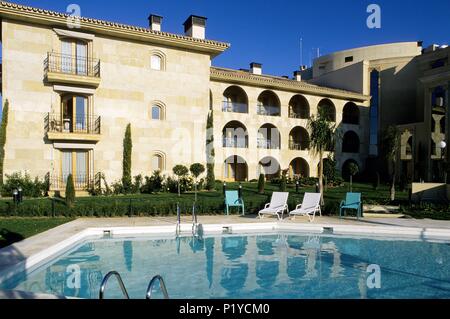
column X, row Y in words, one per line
column 121, row 207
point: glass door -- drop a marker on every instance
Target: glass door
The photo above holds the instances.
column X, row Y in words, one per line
column 81, row 60
column 75, row 163
column 81, row 114
column 66, row 56
column 67, row 167
column 75, row 114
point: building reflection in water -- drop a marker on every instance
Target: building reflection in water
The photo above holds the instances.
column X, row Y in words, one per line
column 57, row 275
column 209, row 253
column 128, row 254
column 267, row 269
column 234, row 271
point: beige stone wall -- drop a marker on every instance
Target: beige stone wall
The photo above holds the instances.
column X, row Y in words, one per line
column 30, row 100
column 284, row 156
column 127, row 91
column 336, row 60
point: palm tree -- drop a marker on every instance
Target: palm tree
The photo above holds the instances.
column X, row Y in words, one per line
column 390, row 147
column 323, row 135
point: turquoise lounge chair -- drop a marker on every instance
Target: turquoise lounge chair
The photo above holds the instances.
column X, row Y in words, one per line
column 232, row 200
column 352, row 201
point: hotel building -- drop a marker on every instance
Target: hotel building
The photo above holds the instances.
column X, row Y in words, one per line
column 74, row 86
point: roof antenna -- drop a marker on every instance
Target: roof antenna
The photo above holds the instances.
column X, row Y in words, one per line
column 301, row 51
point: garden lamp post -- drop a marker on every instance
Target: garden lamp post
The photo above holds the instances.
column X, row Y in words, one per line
column 297, row 186
column 224, row 188
column 240, row 190
column 15, row 196
column 443, row 145
column 20, row 195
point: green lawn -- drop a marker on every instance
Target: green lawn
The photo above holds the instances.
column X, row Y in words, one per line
column 16, row 229
column 165, row 204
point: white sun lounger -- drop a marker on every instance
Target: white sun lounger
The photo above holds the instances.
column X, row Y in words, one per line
column 309, row 207
column 277, row 207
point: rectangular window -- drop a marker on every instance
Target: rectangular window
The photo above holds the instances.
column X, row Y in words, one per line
column 66, row 56
column 81, row 112
column 75, row 163
column 81, row 58
column 438, row 63
column 348, row 59
column 67, row 167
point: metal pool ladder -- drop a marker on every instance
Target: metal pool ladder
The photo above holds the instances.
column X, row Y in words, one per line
column 121, row 284
column 178, row 230
column 162, row 285
column 148, row 296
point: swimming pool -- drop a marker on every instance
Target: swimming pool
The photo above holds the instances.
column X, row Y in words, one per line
column 278, row 265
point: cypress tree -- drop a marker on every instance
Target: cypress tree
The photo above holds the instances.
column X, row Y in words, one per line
column 261, row 184
column 283, row 184
column 210, row 177
column 3, row 138
column 127, row 150
column 70, row 191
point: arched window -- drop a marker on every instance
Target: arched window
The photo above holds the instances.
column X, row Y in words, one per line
column 158, row 61
column 351, row 114
column 158, row 162
column 327, row 109
column 158, row 111
column 350, row 143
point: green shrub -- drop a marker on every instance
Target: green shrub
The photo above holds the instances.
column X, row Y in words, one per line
column 283, row 183
column 153, row 184
column 261, row 184
column 137, row 185
column 70, row 192
column 30, row 188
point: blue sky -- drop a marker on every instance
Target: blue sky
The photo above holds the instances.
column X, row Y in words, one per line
column 269, row 32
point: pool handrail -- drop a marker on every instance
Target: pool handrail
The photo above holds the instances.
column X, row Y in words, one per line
column 194, row 221
column 105, row 281
column 162, row 285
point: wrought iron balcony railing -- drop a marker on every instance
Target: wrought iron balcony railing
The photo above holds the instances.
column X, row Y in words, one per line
column 74, row 65
column 235, row 142
column 298, row 115
column 55, row 123
column 295, row 146
column 269, row 110
column 82, row 182
column 268, row 144
column 233, row 107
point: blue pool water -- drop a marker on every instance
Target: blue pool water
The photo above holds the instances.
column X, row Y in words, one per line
column 277, row 266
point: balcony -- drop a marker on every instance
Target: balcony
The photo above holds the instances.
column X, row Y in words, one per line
column 235, row 142
column 233, row 107
column 299, row 115
column 267, row 110
column 69, row 69
column 295, row 146
column 268, row 144
column 82, row 182
column 80, row 128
